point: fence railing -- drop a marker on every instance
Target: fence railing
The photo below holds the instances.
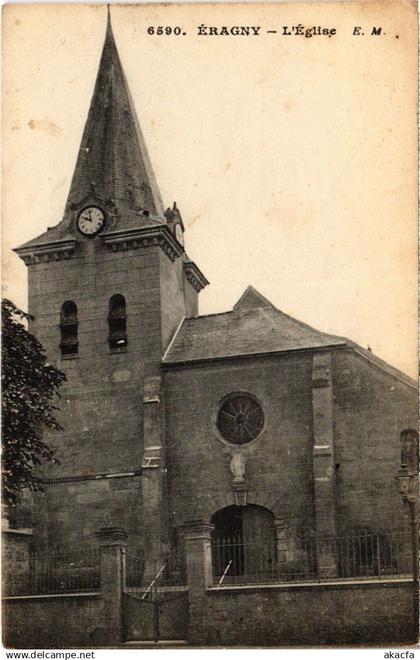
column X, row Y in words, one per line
column 169, row 571
column 235, row 561
column 53, row 573
column 238, row 561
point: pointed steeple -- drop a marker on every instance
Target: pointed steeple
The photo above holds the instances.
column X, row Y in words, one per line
column 113, row 172
column 113, row 162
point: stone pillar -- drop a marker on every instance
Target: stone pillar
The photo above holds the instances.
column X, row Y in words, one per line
column 197, row 534
column 113, row 547
column 155, row 529
column 323, row 462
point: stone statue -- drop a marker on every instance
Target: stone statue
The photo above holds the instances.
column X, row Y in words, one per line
column 237, row 466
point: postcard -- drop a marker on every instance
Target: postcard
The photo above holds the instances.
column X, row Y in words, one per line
column 210, row 325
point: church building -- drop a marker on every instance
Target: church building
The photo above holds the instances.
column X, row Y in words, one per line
column 278, row 441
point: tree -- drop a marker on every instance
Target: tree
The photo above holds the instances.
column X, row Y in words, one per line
column 29, row 385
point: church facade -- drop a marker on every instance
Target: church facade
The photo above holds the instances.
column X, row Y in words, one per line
column 264, row 429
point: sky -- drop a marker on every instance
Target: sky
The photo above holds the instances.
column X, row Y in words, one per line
column 292, row 159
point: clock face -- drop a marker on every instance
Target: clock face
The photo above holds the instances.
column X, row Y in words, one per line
column 91, row 220
column 179, row 234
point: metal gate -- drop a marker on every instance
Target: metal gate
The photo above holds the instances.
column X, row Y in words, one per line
column 157, row 611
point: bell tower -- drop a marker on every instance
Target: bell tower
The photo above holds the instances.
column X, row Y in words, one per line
column 108, row 286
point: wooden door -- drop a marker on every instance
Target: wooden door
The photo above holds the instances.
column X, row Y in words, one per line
column 259, row 541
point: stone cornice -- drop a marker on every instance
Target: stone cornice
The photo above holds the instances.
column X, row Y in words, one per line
column 144, row 237
column 198, row 362
column 194, row 276
column 92, row 477
column 53, row 251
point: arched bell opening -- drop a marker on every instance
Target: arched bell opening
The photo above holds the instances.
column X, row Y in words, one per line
column 117, row 321
column 69, row 343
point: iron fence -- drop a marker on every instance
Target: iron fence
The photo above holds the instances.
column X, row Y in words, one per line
column 238, row 561
column 235, row 561
column 52, row 573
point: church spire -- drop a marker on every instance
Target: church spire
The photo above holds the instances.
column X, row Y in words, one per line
column 113, row 163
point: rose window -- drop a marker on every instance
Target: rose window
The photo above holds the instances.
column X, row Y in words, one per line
column 240, row 419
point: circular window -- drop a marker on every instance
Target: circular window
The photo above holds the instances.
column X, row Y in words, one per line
column 240, row 418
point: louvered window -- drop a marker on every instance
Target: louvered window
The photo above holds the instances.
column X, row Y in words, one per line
column 69, row 344
column 117, row 321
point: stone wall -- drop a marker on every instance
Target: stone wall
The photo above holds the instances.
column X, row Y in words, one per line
column 371, row 408
column 16, row 547
column 101, row 410
column 278, row 469
column 68, row 621
column 76, row 509
column 178, row 297
column 90, row 619
column 333, row 614
column 353, row 612
column 101, row 404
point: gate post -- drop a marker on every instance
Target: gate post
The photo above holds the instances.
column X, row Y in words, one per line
column 197, row 535
column 112, row 542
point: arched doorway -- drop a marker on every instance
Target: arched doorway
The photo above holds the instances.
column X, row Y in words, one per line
column 244, row 542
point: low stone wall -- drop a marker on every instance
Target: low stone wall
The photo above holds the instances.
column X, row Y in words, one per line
column 71, row 620
column 59, row 621
column 358, row 613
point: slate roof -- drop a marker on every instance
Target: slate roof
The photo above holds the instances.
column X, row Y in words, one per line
column 113, row 154
column 254, row 326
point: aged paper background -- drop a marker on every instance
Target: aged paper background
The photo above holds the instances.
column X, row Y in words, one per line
column 293, row 160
